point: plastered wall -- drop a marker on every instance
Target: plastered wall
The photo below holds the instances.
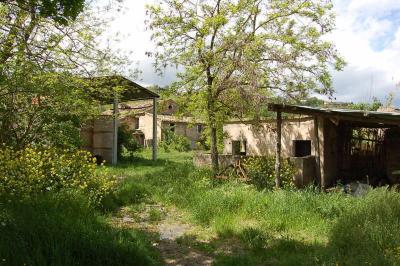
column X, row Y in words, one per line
column 261, row 139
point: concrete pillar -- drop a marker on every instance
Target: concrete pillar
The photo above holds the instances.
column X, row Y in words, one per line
column 278, row 181
column 154, row 129
column 114, row 157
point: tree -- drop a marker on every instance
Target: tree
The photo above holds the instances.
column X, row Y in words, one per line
column 48, row 49
column 237, row 54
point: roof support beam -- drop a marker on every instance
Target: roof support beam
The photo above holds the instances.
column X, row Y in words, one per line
column 114, row 158
column 278, row 181
column 154, row 144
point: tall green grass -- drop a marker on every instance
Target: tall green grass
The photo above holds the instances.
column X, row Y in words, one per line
column 285, row 227
column 62, row 229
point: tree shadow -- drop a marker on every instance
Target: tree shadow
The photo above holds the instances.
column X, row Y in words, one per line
column 253, row 246
column 61, row 229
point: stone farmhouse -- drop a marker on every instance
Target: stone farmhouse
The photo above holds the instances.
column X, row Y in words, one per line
column 137, row 110
column 138, row 117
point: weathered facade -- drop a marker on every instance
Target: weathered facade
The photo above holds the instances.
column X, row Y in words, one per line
column 182, row 126
column 101, row 135
column 257, row 140
column 98, row 135
column 326, row 145
column 351, row 145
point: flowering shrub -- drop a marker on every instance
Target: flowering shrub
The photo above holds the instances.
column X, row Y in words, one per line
column 30, row 171
column 261, row 170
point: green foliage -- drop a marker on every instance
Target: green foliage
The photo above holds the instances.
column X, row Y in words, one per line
column 368, row 232
column 277, row 227
column 261, row 171
column 32, row 171
column 172, row 141
column 47, row 51
column 236, row 54
column 221, row 135
column 374, row 106
column 127, row 144
column 155, row 215
column 62, row 229
column 61, row 11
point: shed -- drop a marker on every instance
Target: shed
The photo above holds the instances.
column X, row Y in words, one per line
column 101, row 136
column 351, row 145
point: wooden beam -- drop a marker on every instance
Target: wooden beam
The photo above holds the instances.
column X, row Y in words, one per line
column 369, row 118
column 318, row 171
column 154, row 129
column 114, row 158
column 278, row 181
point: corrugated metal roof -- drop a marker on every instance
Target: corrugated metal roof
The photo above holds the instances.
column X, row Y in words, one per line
column 368, row 116
column 130, row 89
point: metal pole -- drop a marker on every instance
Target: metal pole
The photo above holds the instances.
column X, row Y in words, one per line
column 278, row 181
column 154, row 129
column 114, row 158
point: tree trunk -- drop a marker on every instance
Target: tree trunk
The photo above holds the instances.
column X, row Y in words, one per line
column 214, row 150
column 211, row 109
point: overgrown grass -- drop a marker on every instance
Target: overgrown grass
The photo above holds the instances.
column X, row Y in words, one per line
column 297, row 227
column 62, row 229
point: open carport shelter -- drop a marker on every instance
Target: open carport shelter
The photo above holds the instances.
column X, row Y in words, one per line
column 348, row 145
column 100, row 136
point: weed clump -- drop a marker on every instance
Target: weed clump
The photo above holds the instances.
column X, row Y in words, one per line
column 368, row 233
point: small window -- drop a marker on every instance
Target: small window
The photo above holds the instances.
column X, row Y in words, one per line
column 301, row 148
column 199, row 128
column 235, row 147
column 239, row 147
column 136, row 122
column 170, row 107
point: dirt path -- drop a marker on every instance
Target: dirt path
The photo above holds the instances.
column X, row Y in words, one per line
column 171, row 235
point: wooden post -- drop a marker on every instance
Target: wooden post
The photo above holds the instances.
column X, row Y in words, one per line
column 317, row 152
column 114, row 158
column 278, row 181
column 154, row 129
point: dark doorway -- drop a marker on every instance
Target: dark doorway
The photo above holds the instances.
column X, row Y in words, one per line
column 363, row 156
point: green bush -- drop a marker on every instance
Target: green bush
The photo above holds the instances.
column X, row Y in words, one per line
column 31, row 171
column 127, row 144
column 261, row 170
column 172, row 141
column 62, row 229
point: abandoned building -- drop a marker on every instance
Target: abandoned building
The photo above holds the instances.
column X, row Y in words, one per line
column 138, row 111
column 137, row 116
column 100, row 136
column 326, row 145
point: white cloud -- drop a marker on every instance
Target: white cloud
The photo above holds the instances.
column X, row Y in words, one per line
column 368, row 36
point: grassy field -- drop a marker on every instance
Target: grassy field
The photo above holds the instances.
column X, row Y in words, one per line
column 298, row 227
column 228, row 221
column 61, row 229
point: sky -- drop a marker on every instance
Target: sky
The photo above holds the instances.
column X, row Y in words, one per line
column 367, row 35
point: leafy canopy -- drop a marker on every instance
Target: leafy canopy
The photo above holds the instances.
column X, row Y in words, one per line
column 48, row 49
column 235, row 55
